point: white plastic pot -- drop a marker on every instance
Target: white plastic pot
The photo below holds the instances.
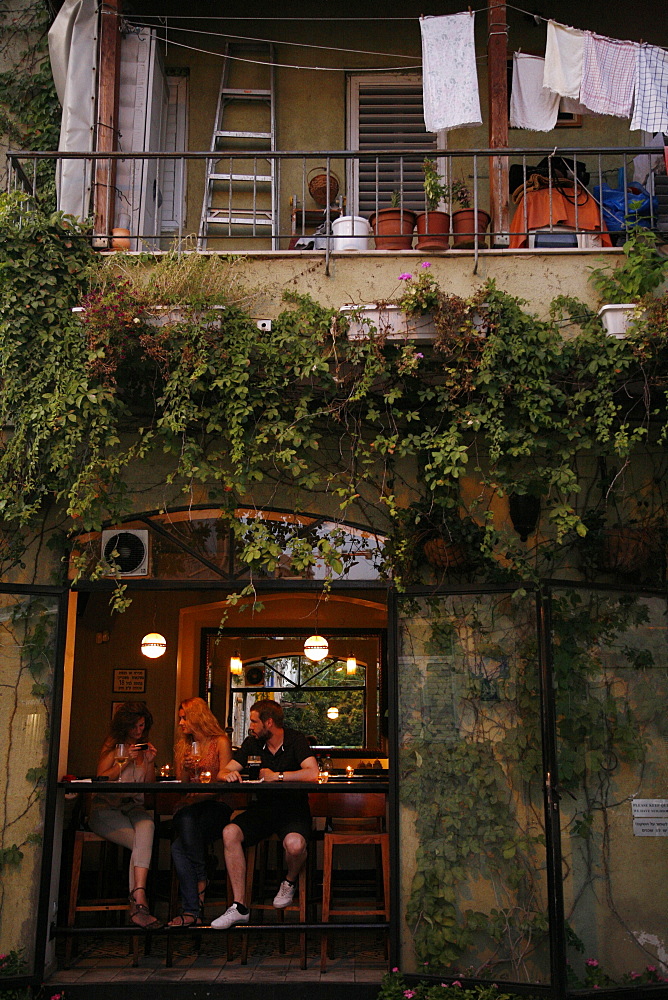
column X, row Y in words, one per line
column 617, row 318
column 351, row 232
column 388, row 322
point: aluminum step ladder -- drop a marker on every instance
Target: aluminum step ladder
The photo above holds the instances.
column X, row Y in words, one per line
column 241, row 193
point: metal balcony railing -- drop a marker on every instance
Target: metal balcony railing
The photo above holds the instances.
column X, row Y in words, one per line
column 554, row 198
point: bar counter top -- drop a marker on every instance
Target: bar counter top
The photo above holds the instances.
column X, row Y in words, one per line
column 220, row 787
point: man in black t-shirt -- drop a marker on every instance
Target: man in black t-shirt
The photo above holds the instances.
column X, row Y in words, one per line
column 285, row 755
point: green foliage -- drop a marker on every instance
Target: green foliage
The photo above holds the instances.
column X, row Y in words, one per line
column 13, row 964
column 640, row 274
column 436, row 189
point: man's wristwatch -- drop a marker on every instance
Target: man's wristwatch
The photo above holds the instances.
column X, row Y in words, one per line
column 280, row 776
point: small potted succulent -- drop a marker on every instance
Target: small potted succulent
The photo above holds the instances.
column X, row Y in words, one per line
column 433, row 225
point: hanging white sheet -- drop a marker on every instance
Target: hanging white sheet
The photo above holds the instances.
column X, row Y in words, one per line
column 532, row 106
column 563, row 59
column 72, row 51
column 449, row 72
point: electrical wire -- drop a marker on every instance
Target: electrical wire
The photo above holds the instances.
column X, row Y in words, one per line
column 281, row 41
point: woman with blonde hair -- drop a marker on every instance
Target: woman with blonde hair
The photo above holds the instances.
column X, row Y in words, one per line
column 200, row 817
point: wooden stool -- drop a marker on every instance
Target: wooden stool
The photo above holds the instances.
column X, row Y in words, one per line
column 76, row 905
column 369, row 810
column 298, row 907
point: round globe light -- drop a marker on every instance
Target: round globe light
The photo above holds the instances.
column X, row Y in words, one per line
column 316, row 648
column 153, row 645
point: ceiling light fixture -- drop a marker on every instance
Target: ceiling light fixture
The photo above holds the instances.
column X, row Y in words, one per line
column 333, row 713
column 351, row 664
column 153, row 645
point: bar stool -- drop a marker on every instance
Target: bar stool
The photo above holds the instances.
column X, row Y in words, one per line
column 77, row 905
column 368, row 808
column 252, row 856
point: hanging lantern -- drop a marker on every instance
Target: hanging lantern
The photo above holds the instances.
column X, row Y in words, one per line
column 153, row 645
column 333, row 713
column 316, row 648
column 351, row 664
column 524, row 510
column 236, row 664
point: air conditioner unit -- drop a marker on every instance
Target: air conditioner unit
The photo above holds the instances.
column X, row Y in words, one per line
column 132, row 547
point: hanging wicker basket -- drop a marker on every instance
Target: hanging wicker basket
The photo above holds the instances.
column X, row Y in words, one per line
column 444, row 554
column 317, row 186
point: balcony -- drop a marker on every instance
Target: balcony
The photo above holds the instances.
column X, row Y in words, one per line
column 258, row 203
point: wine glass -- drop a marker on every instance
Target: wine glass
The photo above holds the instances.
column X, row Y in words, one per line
column 196, row 755
column 205, row 777
column 120, row 757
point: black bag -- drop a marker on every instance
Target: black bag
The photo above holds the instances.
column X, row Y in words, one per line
column 561, row 169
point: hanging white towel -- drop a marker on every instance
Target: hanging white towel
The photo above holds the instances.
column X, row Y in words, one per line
column 449, row 72
column 532, row 106
column 651, row 105
column 608, row 75
column 563, row 59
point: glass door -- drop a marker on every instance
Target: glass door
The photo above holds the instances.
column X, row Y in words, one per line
column 610, row 663
column 473, row 887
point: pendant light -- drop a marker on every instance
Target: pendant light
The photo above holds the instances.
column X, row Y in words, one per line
column 351, row 664
column 316, row 648
column 236, row 664
column 153, row 645
column 333, row 713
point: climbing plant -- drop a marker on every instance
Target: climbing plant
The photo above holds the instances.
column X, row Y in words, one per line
column 202, row 397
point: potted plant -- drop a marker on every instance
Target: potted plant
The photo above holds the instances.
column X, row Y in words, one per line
column 393, row 226
column 466, row 222
column 433, row 226
column 622, row 288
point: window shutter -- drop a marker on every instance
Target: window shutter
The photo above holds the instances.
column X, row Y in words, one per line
column 386, row 113
column 174, row 171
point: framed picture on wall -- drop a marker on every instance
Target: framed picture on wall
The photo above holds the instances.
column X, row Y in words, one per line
column 129, row 681
column 114, row 706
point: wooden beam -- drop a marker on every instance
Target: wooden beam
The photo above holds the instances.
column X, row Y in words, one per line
column 106, row 132
column 497, row 80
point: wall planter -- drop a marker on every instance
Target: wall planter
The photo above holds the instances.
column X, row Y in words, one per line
column 465, row 224
column 433, row 229
column 393, row 228
column 168, row 315
column 617, row 317
column 388, row 322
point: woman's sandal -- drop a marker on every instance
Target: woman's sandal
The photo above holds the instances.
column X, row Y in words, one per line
column 185, row 920
column 141, row 916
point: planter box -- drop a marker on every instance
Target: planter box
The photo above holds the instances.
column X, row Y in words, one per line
column 617, row 318
column 165, row 315
column 388, row 322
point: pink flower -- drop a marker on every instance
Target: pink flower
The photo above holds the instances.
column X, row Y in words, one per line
column 405, row 277
column 425, row 263
column 409, row 994
column 592, row 963
column 596, row 986
column 635, row 975
column 651, row 968
column 456, row 983
column 418, row 355
column 395, row 969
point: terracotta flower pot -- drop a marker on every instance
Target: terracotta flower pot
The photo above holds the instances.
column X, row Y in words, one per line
column 433, row 229
column 393, row 228
column 465, row 225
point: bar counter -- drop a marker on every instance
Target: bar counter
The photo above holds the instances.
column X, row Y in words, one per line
column 355, row 785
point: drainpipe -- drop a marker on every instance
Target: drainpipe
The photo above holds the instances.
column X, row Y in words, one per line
column 497, row 81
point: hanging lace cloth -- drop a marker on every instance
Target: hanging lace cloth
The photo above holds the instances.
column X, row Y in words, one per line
column 449, row 72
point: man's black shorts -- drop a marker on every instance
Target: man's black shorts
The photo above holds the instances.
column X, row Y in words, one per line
column 260, row 820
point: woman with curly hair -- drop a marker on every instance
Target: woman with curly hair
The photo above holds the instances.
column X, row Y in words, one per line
column 121, row 817
column 200, row 817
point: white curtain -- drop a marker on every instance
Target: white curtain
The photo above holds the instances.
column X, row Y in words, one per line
column 73, row 55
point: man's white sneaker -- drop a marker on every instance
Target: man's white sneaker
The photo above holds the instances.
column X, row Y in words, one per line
column 284, row 896
column 230, row 917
